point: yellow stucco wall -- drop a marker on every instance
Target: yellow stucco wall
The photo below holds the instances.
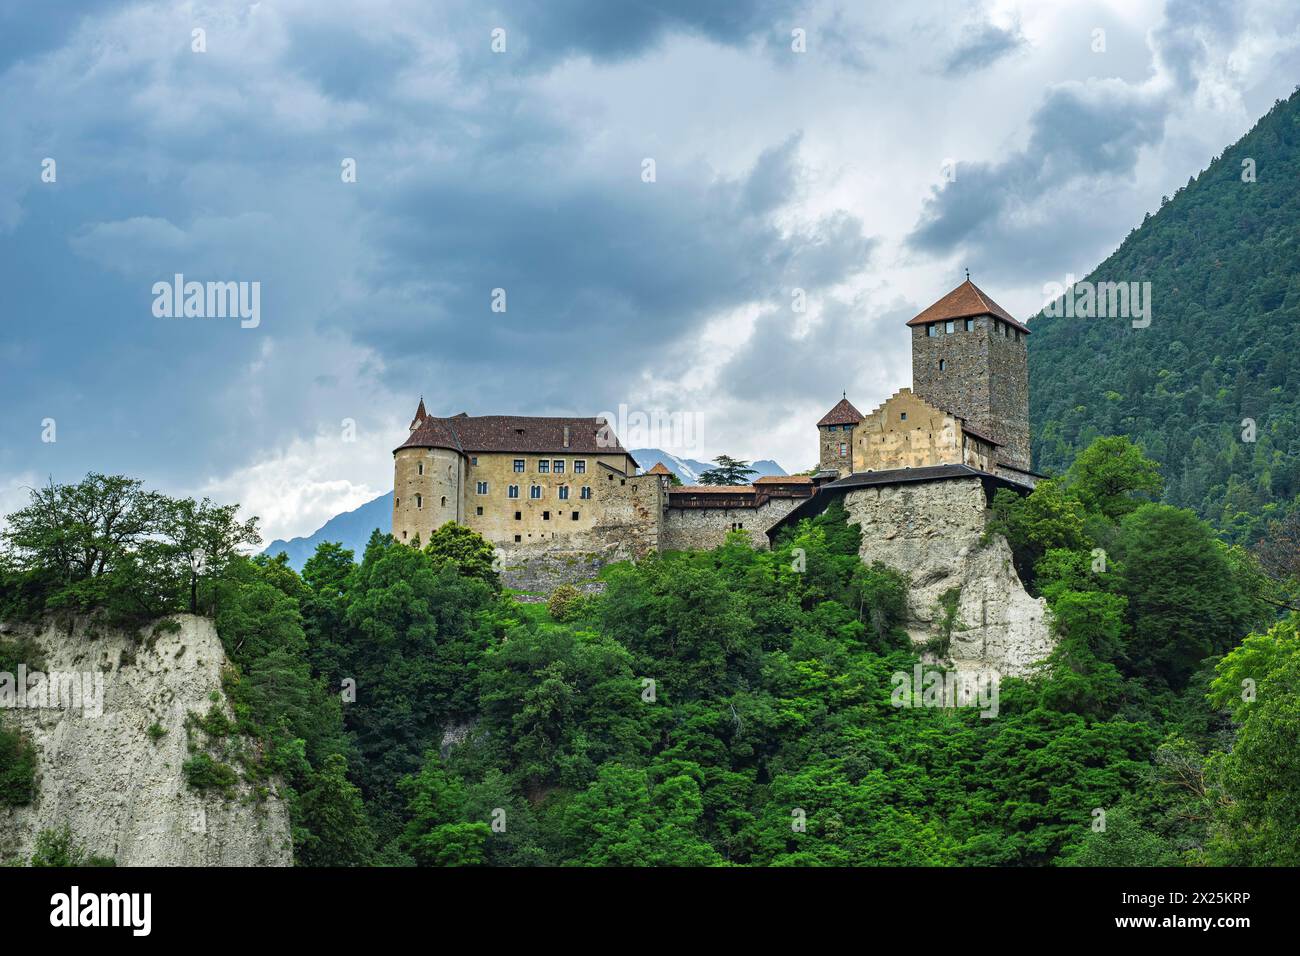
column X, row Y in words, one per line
column 548, row 518
column 909, row 432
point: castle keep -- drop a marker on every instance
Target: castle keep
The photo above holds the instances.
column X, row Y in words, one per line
column 968, row 405
column 567, row 484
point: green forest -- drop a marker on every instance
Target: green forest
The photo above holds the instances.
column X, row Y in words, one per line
column 1209, row 389
column 732, row 707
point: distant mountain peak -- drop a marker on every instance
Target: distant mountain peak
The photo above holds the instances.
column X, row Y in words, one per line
column 689, row 470
column 352, row 529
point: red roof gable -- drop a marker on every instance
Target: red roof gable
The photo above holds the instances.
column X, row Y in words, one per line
column 964, row 302
column 842, row 414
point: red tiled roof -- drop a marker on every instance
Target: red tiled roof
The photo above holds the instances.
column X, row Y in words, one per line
column 513, row 433
column 785, row 479
column 659, row 469
column 712, row 490
column 963, row 302
column 842, row 414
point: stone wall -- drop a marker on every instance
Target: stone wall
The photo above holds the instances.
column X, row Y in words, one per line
column 122, row 793
column 539, row 573
column 427, row 491
column 934, row 533
column 984, row 379
column 830, row 440
column 698, row 529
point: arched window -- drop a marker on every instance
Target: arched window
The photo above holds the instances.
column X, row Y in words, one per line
column 444, row 501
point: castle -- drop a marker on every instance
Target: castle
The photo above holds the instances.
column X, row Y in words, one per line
column 918, row 475
column 567, row 484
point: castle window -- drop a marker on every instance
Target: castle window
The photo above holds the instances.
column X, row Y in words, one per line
column 543, row 466
column 517, row 539
column 481, row 488
column 519, row 515
column 843, row 449
column 902, row 416
column 932, row 329
column 419, row 468
column 396, row 502
column 535, row 492
column 970, row 325
column 473, row 460
column 403, row 535
column 575, row 516
column 519, row 464
column 564, row 492
column 949, row 327
column 943, row 364
column 557, row 466
column 546, row 516
column 444, row 501
column 419, row 501
column 580, row 467
column 586, row 492
column 479, row 511
column 512, row 491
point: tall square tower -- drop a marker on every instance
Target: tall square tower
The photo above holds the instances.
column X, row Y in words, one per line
column 970, row 358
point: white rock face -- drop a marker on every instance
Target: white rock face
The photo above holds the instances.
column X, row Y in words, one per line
column 122, row 793
column 932, row 532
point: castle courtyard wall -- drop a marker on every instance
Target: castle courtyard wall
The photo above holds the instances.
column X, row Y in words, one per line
column 699, row 529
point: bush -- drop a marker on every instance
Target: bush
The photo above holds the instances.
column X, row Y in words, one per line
column 565, row 602
column 17, row 769
column 204, row 773
column 56, row 848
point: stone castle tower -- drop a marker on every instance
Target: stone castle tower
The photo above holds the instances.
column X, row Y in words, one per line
column 970, row 357
column 968, row 404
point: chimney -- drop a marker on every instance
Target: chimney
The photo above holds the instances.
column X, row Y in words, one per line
column 566, row 436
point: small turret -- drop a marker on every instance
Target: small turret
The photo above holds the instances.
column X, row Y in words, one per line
column 420, row 415
column 836, row 437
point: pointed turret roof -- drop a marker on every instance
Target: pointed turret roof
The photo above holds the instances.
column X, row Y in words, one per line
column 964, row 302
column 842, row 414
column 659, row 469
column 420, row 415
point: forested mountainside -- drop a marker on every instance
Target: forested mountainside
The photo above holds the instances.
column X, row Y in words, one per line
column 1223, row 259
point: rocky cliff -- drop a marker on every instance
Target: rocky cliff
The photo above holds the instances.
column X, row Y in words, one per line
column 112, row 774
column 966, row 600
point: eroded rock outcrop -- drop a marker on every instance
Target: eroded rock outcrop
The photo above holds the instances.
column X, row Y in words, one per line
column 119, row 785
column 965, row 592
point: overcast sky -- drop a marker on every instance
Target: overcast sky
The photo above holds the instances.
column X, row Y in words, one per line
column 775, row 170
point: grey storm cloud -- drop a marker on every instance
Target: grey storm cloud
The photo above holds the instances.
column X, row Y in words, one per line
column 982, row 44
column 1090, row 129
column 456, row 196
column 792, row 364
column 601, row 267
column 1190, row 30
